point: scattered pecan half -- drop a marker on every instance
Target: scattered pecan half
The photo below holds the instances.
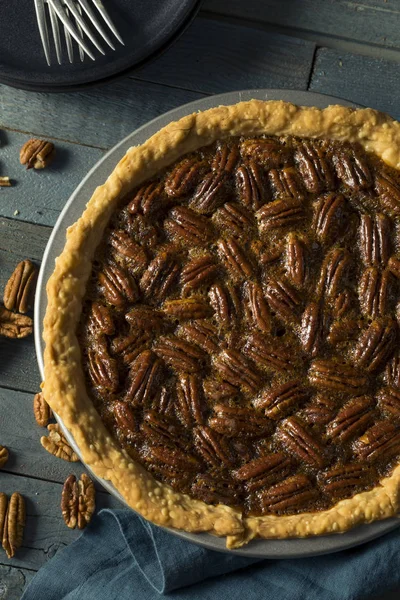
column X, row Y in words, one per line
column 314, row 168
column 17, row 293
column 36, row 153
column 14, row 523
column 280, row 400
column 374, row 291
column 264, row 471
column 144, row 376
column 380, row 442
column 388, row 191
column 330, row 214
column 147, row 200
column 235, row 259
column 375, row 240
column 250, row 186
column 299, row 441
column 296, row 263
column 268, row 354
column 238, row 370
column 180, row 355
column 159, row 277
column 185, row 176
column 352, row 168
column 55, row 443
column 280, row 213
column 197, row 272
column 118, row 286
column 233, row 421
column 189, row 226
column 212, row 447
column 342, row 481
column 78, row 501
column 351, row 420
column 190, row 400
column 3, row 512
column 256, row 307
column 283, row 299
column 211, row 193
column 335, row 376
column 286, row 183
column 289, row 495
column 3, row 458
column 376, row 345
column 13, row 325
column 41, row 410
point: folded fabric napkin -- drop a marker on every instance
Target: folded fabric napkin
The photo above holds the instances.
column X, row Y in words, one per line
column 120, row 556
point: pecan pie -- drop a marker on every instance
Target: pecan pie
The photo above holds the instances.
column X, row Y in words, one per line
column 222, row 337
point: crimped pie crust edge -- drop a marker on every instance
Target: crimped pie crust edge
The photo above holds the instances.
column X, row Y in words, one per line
column 64, row 386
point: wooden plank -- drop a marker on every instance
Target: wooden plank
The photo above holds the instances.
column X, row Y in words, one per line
column 100, row 117
column 45, row 530
column 38, row 196
column 20, row 433
column 368, row 21
column 13, row 581
column 214, row 57
column 367, row 81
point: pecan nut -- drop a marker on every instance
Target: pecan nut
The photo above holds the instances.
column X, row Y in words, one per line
column 329, row 221
column 190, row 400
column 41, row 410
column 14, row 523
column 376, row 345
column 353, row 418
column 225, row 158
column 144, row 376
column 392, row 371
column 286, row 183
column 3, row 458
column 36, row 153
column 13, row 325
column 184, row 177
column 331, row 375
column 3, row 512
column 197, row 272
column 211, row 193
column 217, row 390
column 267, row 354
column 225, row 303
column 343, row 481
column 374, row 291
column 147, row 200
column 250, row 186
column 125, row 419
column 101, row 320
column 103, row 370
column 235, row 260
column 234, row 218
column 375, row 240
column 128, row 248
column 78, row 501
column 118, row 286
column 264, row 471
column 162, row 430
column 312, row 326
column 237, row 370
column 380, row 442
column 180, row 355
column 320, row 411
column 298, row 441
column 189, row 226
column 212, row 447
column 282, row 399
column 128, row 347
column 285, row 212
column 296, row 263
column 314, row 168
column 352, row 169
column 388, row 191
column 145, row 318
column 17, row 293
column 289, row 495
column 176, row 457
column 233, row 421
column 201, row 334
column 334, row 267
column 389, row 401
column 256, row 307
column 55, row 443
column 217, row 489
column 159, row 277
column 282, row 299
column 394, row 266
column 186, row 309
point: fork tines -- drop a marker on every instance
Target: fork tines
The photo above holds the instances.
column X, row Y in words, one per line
column 79, row 19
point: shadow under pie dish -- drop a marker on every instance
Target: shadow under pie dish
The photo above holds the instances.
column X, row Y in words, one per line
column 221, row 333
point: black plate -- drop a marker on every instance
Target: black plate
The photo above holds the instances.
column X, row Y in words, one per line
column 146, row 26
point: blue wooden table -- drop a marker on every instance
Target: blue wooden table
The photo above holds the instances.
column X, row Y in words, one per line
column 345, row 48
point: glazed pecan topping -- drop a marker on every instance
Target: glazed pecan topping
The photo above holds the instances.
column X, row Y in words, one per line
column 186, row 309
column 375, row 240
column 203, row 334
column 125, row 418
column 286, row 212
column 225, row 158
column 320, row 411
column 128, row 248
column 388, row 191
column 217, row 490
column 266, row 151
column 389, row 401
column 285, row 183
column 162, row 430
column 297, row 440
column 282, row 399
column 236, row 369
column 117, row 285
column 128, row 347
column 381, row 441
column 188, row 226
column 282, row 299
column 217, row 390
column 351, row 420
column 176, row 457
column 374, row 291
column 159, row 277
column 103, row 369
column 314, row 169
column 256, row 307
column 101, row 319
column 352, row 169
column 234, row 259
column 394, row 266
column 234, row 218
column 179, row 354
column 334, row 267
column 232, row 421
column 296, row 263
column 145, row 318
column 392, row 371
column 225, row 303
column 250, row 185
column 211, row 193
column 343, row 330
column 184, row 177
column 289, row 495
column 212, row 447
column 190, row 400
column 148, row 200
column 342, row 303
column 145, row 374
column 330, row 217
column 332, row 375
column 343, row 480
column 311, row 334
column 268, row 354
column 264, row 471
column 197, row 272
column 376, row 345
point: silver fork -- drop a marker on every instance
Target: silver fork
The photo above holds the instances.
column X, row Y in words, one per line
column 71, row 14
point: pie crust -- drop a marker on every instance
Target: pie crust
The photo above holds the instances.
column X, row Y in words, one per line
column 64, row 386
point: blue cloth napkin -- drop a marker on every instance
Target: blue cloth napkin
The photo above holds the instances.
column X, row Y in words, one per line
column 120, row 556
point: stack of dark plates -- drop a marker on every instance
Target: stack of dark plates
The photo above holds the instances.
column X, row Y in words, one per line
column 147, row 27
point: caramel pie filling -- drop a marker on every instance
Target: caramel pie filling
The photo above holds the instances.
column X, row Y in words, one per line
column 239, row 333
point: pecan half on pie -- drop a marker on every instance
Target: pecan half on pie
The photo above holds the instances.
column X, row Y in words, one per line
column 222, row 332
